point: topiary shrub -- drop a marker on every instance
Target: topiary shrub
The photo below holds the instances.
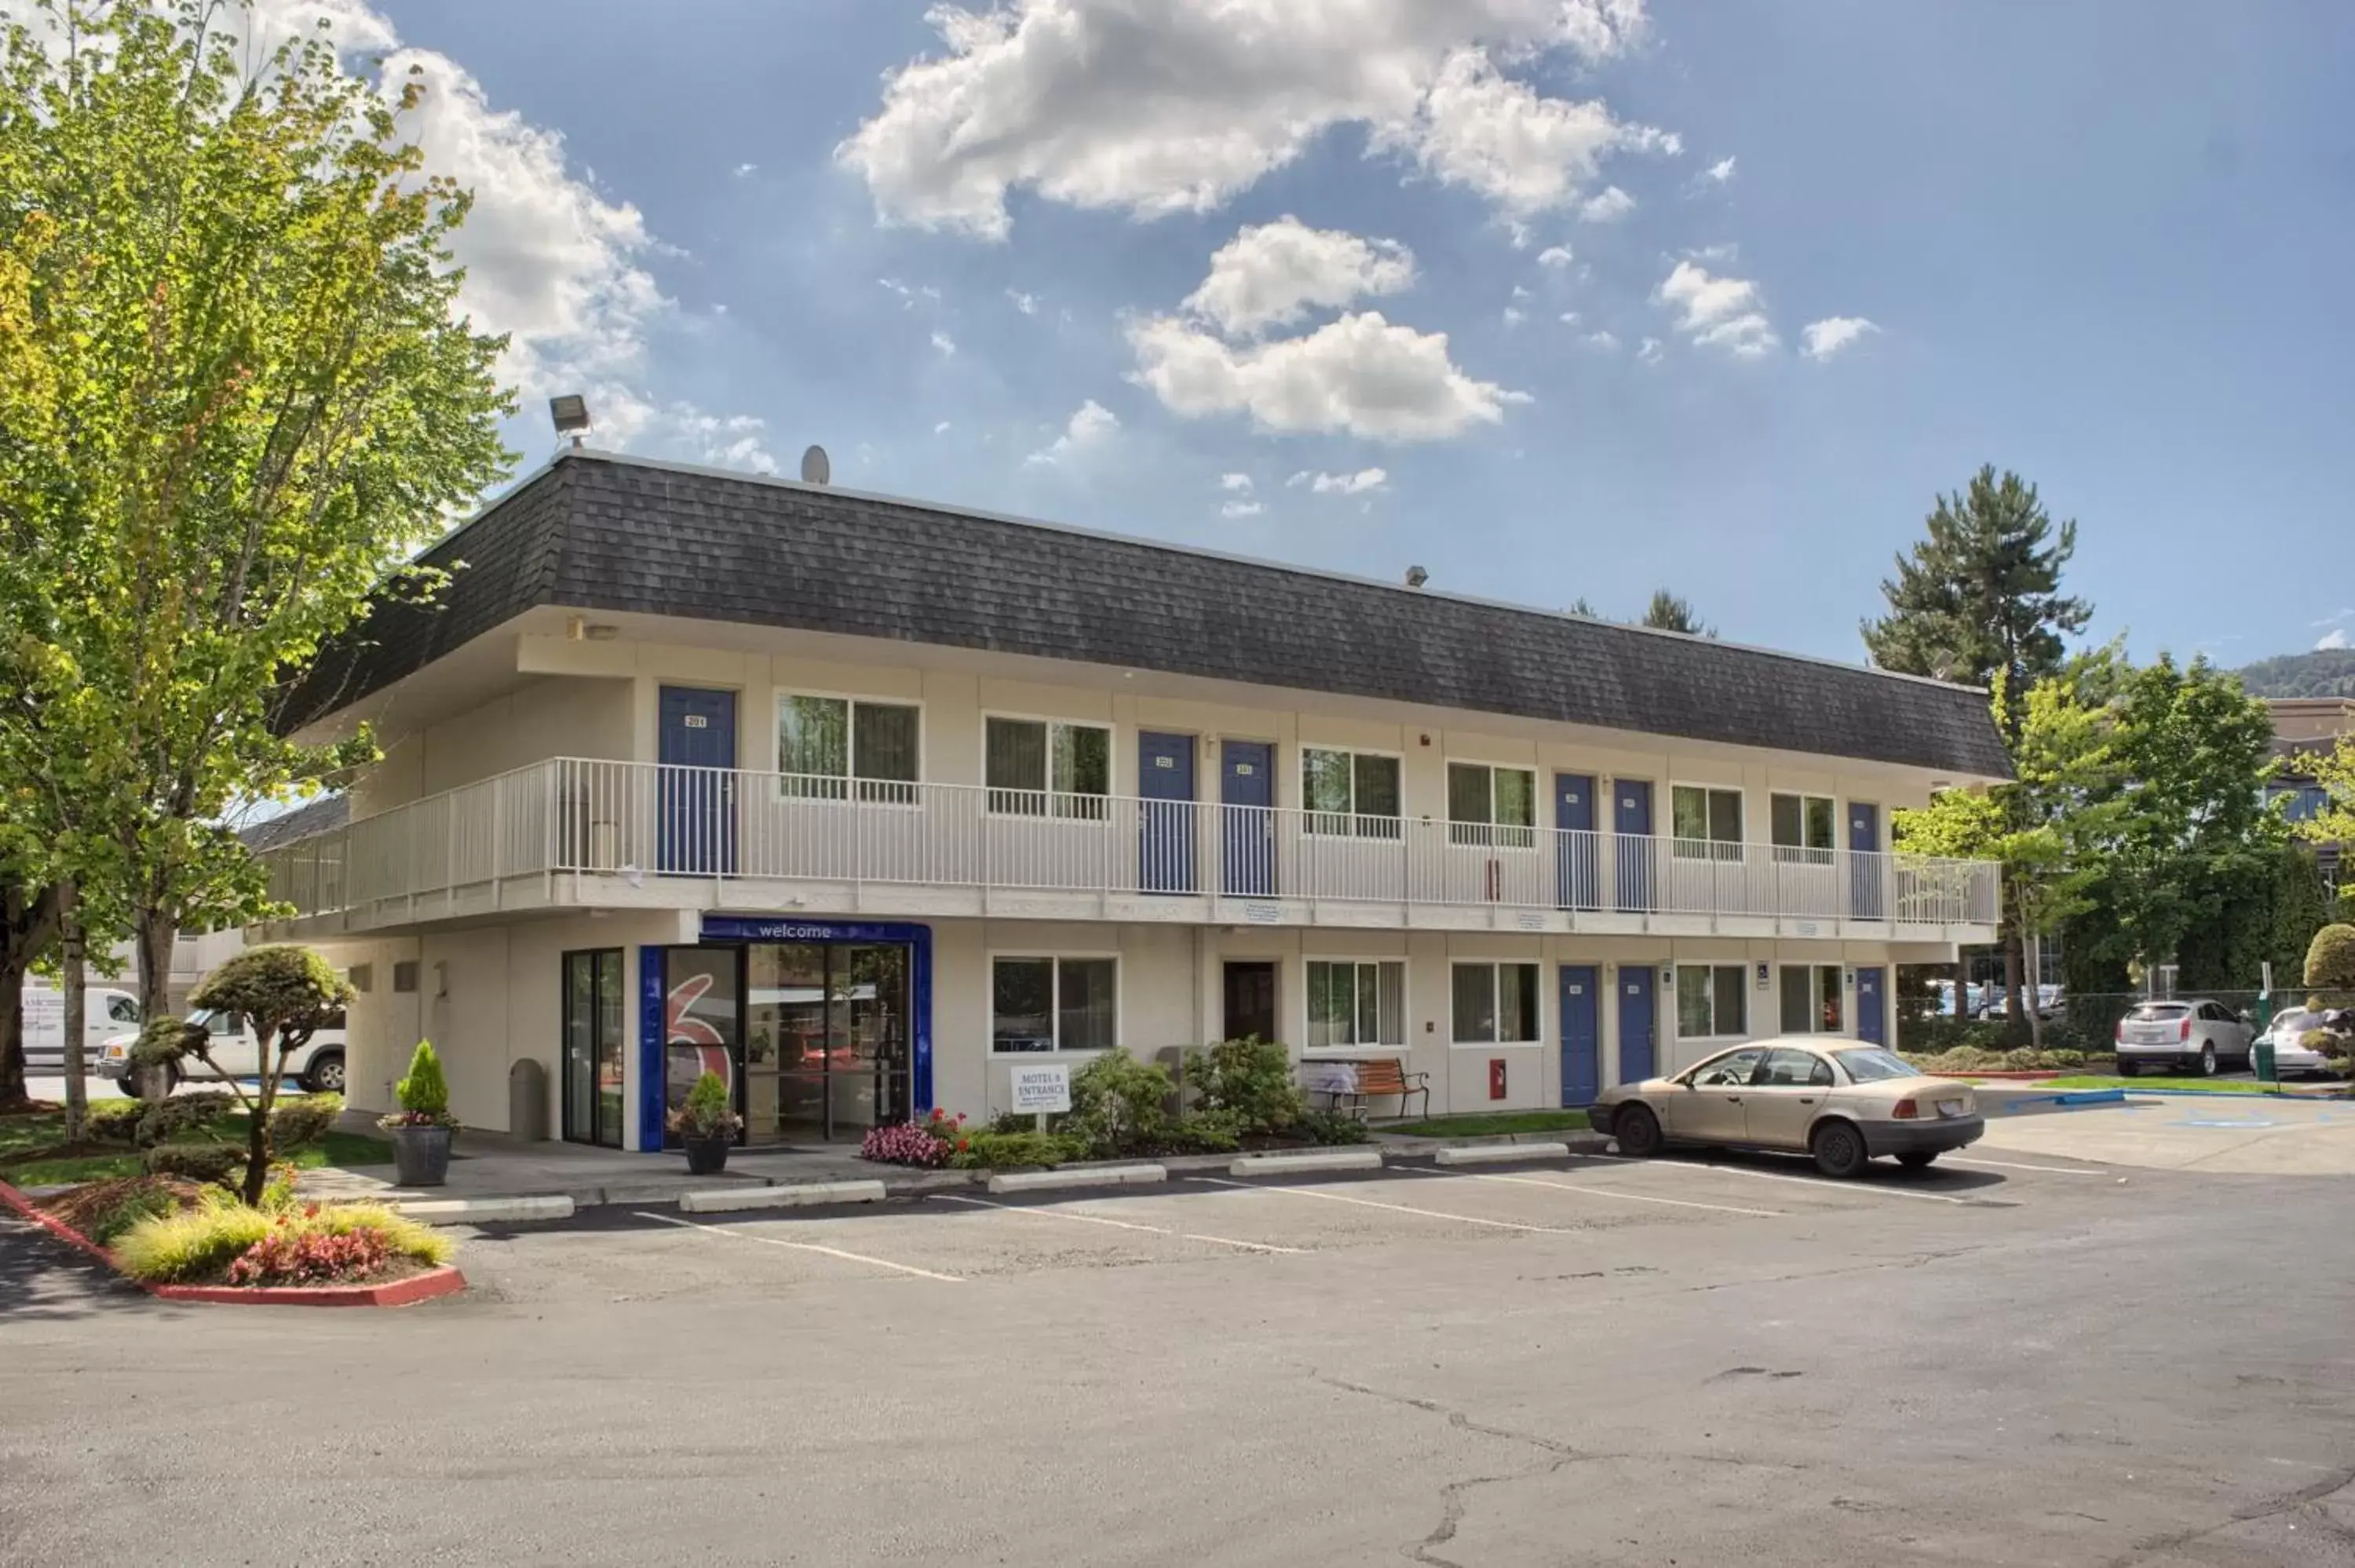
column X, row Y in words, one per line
column 161, row 1121
column 424, row 1093
column 2330, row 959
column 298, row 1124
column 1250, row 1079
column 195, row 1161
column 113, row 1121
column 164, row 1041
column 285, row 994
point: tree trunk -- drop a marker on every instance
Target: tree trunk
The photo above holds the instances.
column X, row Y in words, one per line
column 257, row 1132
column 28, row 923
column 153, row 933
column 2034, row 945
column 2013, row 1011
column 73, row 980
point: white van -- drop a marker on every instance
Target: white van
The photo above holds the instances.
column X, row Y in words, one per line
column 108, row 1011
column 318, row 1066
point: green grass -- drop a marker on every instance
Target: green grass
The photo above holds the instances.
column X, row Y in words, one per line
column 1490, row 1124
column 2222, row 1086
column 21, row 1134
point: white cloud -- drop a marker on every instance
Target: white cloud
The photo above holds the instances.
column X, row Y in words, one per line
column 550, row 260
column 1556, row 256
column 1092, row 425
column 942, row 428
column 944, row 344
column 1160, row 108
column 1027, row 303
column 1359, row 375
column 1608, row 343
column 1648, row 351
column 1821, row 340
column 1365, row 482
column 1233, row 510
column 1515, row 315
column 1569, row 318
column 2330, row 640
column 1721, row 171
column 1273, row 273
column 2334, row 617
column 1612, row 204
column 746, row 171
column 1235, row 484
column 1720, row 312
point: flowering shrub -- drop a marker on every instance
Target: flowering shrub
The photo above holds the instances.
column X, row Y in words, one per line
column 930, row 1142
column 292, row 1255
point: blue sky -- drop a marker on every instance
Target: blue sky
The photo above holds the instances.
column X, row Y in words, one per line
column 2105, row 245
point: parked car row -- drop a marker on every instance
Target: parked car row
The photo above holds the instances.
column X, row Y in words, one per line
column 2194, row 1034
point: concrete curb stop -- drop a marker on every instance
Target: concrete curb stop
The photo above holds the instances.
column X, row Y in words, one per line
column 1089, row 1176
column 1498, row 1153
column 723, row 1199
column 482, row 1211
column 1317, row 1159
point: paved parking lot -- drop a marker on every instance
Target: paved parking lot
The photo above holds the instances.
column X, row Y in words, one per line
column 2023, row 1360
column 2256, row 1135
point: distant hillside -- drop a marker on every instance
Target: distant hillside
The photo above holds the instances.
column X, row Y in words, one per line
column 2324, row 672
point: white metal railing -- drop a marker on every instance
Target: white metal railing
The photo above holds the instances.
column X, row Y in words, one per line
column 572, row 815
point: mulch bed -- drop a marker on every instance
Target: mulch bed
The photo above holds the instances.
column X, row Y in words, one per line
column 83, row 1207
column 85, row 1149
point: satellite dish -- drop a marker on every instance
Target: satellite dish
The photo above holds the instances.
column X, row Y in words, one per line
column 816, row 469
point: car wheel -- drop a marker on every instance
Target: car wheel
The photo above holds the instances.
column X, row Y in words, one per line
column 2207, row 1061
column 127, row 1086
column 1917, row 1159
column 327, row 1074
column 1839, row 1150
column 1638, row 1131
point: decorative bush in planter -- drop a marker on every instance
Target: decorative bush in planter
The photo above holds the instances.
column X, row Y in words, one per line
column 707, row 1125
column 422, row 1128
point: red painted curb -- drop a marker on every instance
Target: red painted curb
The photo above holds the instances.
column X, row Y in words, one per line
column 443, row 1281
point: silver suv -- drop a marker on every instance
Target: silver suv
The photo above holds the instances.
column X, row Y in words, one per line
column 2189, row 1035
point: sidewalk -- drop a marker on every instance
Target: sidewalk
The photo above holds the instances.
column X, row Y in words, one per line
column 489, row 1165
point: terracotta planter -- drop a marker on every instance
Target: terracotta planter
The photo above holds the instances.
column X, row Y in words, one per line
column 420, row 1155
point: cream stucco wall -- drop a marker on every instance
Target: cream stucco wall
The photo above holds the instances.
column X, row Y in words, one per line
column 548, row 716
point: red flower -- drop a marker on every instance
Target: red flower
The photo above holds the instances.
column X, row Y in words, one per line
column 963, row 1144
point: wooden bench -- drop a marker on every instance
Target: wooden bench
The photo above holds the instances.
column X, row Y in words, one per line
column 1378, row 1077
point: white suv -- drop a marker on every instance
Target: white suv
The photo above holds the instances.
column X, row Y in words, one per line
column 2188, row 1034
column 318, row 1066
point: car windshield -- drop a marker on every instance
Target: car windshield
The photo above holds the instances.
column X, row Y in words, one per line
column 2152, row 1011
column 1873, row 1067
column 214, row 1023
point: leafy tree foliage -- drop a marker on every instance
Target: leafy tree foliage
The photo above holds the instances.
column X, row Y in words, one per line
column 2335, row 771
column 1980, row 595
column 1667, row 612
column 2323, row 673
column 234, row 396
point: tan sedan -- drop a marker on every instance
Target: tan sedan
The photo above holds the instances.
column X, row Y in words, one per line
column 1842, row 1101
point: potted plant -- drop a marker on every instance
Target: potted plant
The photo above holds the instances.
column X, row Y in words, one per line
column 422, row 1129
column 706, row 1124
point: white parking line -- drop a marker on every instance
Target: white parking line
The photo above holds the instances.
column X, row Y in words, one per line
column 1120, row 1224
column 2008, row 1165
column 1861, row 1189
column 1397, row 1208
column 1607, row 1192
column 733, row 1233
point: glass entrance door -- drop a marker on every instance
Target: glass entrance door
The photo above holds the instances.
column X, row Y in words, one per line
column 593, row 1000
column 826, row 1039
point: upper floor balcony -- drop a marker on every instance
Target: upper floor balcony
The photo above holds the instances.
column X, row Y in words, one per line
column 572, row 832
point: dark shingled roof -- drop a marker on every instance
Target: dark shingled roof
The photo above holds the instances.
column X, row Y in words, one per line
column 319, row 816
column 595, row 532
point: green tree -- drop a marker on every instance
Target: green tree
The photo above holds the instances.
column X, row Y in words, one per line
column 235, row 396
column 1980, row 595
column 286, row 994
column 2335, row 771
column 1667, row 612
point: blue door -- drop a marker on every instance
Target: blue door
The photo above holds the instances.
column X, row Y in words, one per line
column 1871, row 1006
column 1165, row 781
column 696, row 795
column 1632, row 803
column 1639, row 1023
column 1247, row 799
column 1578, row 855
column 1864, row 865
column 1582, row 1034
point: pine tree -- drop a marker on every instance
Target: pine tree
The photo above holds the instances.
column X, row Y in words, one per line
column 1981, row 595
column 1670, row 613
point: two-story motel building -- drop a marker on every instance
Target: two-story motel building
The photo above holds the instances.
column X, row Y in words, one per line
column 859, row 801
